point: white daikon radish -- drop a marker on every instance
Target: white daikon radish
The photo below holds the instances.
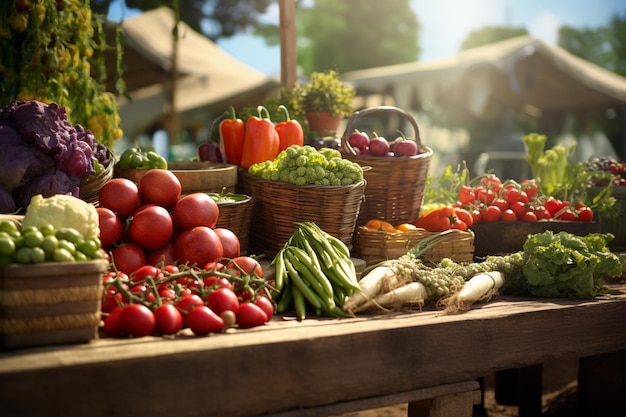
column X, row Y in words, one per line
column 479, row 287
column 381, row 279
column 412, row 293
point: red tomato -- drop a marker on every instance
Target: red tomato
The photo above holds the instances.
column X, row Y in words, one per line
column 165, row 255
column 250, row 315
column 248, row 265
column 188, row 303
column 230, row 242
column 151, row 227
column 119, row 195
column 566, row 215
column 128, row 257
column 266, row 305
column 554, row 205
column 530, row 187
column 500, row 203
column 202, row 321
column 529, row 216
column 111, row 227
column 585, row 214
column 491, row 214
column 198, row 246
column 466, row 195
column 514, row 195
column 491, row 182
column 508, row 215
column 167, row 294
column 519, row 208
column 484, row 195
column 541, row 212
column 197, row 209
column 142, row 273
column 168, row 319
column 112, row 326
column 160, row 187
column 111, row 299
column 137, row 320
column 213, row 282
column 222, row 299
column 476, row 216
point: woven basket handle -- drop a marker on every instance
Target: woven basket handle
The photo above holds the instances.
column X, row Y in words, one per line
column 372, row 110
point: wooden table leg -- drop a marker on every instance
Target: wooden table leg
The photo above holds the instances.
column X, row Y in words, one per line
column 602, row 385
column 521, row 387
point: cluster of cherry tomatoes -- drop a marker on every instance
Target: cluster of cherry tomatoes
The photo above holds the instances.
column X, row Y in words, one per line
column 171, row 267
column 491, row 200
column 165, row 300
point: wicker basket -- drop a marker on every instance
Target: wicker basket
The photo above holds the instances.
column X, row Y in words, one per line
column 194, row 176
column 50, row 303
column 279, row 205
column 237, row 217
column 375, row 246
column 90, row 188
column 395, row 186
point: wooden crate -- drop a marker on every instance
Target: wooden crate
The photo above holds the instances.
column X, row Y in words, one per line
column 50, row 303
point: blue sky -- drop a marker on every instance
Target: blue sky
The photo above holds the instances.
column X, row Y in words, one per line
column 442, row 31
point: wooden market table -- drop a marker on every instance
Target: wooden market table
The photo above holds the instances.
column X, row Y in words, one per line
column 320, row 367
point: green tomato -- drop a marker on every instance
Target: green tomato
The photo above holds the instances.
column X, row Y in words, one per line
column 62, row 255
column 47, row 229
column 33, row 238
column 80, row 257
column 9, row 227
column 70, row 234
column 23, row 255
column 7, row 246
column 67, row 246
column 38, row 255
column 50, row 244
column 88, row 247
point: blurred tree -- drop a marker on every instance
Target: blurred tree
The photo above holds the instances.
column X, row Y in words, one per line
column 215, row 18
column 604, row 46
column 356, row 34
column 491, row 34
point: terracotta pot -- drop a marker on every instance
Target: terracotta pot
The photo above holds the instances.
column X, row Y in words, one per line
column 324, row 123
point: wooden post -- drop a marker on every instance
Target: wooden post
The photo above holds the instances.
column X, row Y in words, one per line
column 288, row 56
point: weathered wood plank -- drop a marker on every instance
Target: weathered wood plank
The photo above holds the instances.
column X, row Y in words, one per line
column 289, row 365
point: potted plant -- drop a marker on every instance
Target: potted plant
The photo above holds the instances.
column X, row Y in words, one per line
column 324, row 101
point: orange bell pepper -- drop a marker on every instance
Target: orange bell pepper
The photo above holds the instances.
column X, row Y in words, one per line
column 232, row 135
column 381, row 225
column 289, row 132
column 261, row 140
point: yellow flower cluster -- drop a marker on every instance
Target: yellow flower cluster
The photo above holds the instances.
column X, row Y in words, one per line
column 47, row 51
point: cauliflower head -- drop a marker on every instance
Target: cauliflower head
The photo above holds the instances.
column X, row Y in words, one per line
column 61, row 210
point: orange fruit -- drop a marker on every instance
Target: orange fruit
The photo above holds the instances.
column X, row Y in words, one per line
column 161, row 187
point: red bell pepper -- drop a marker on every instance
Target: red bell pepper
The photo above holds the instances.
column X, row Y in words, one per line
column 261, row 140
column 289, row 132
column 232, row 135
column 436, row 220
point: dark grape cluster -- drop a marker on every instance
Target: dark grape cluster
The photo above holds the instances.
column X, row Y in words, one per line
column 608, row 166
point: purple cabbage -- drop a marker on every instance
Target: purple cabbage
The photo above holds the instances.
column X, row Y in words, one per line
column 42, row 153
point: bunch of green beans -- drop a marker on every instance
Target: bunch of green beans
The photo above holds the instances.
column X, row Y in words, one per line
column 313, row 272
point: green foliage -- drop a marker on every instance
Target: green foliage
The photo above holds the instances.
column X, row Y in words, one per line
column 356, row 34
column 324, row 92
column 491, row 34
column 565, row 265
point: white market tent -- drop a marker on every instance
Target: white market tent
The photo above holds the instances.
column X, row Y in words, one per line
column 208, row 77
column 521, row 75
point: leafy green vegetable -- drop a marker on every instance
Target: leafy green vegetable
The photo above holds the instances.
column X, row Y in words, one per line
column 563, row 265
